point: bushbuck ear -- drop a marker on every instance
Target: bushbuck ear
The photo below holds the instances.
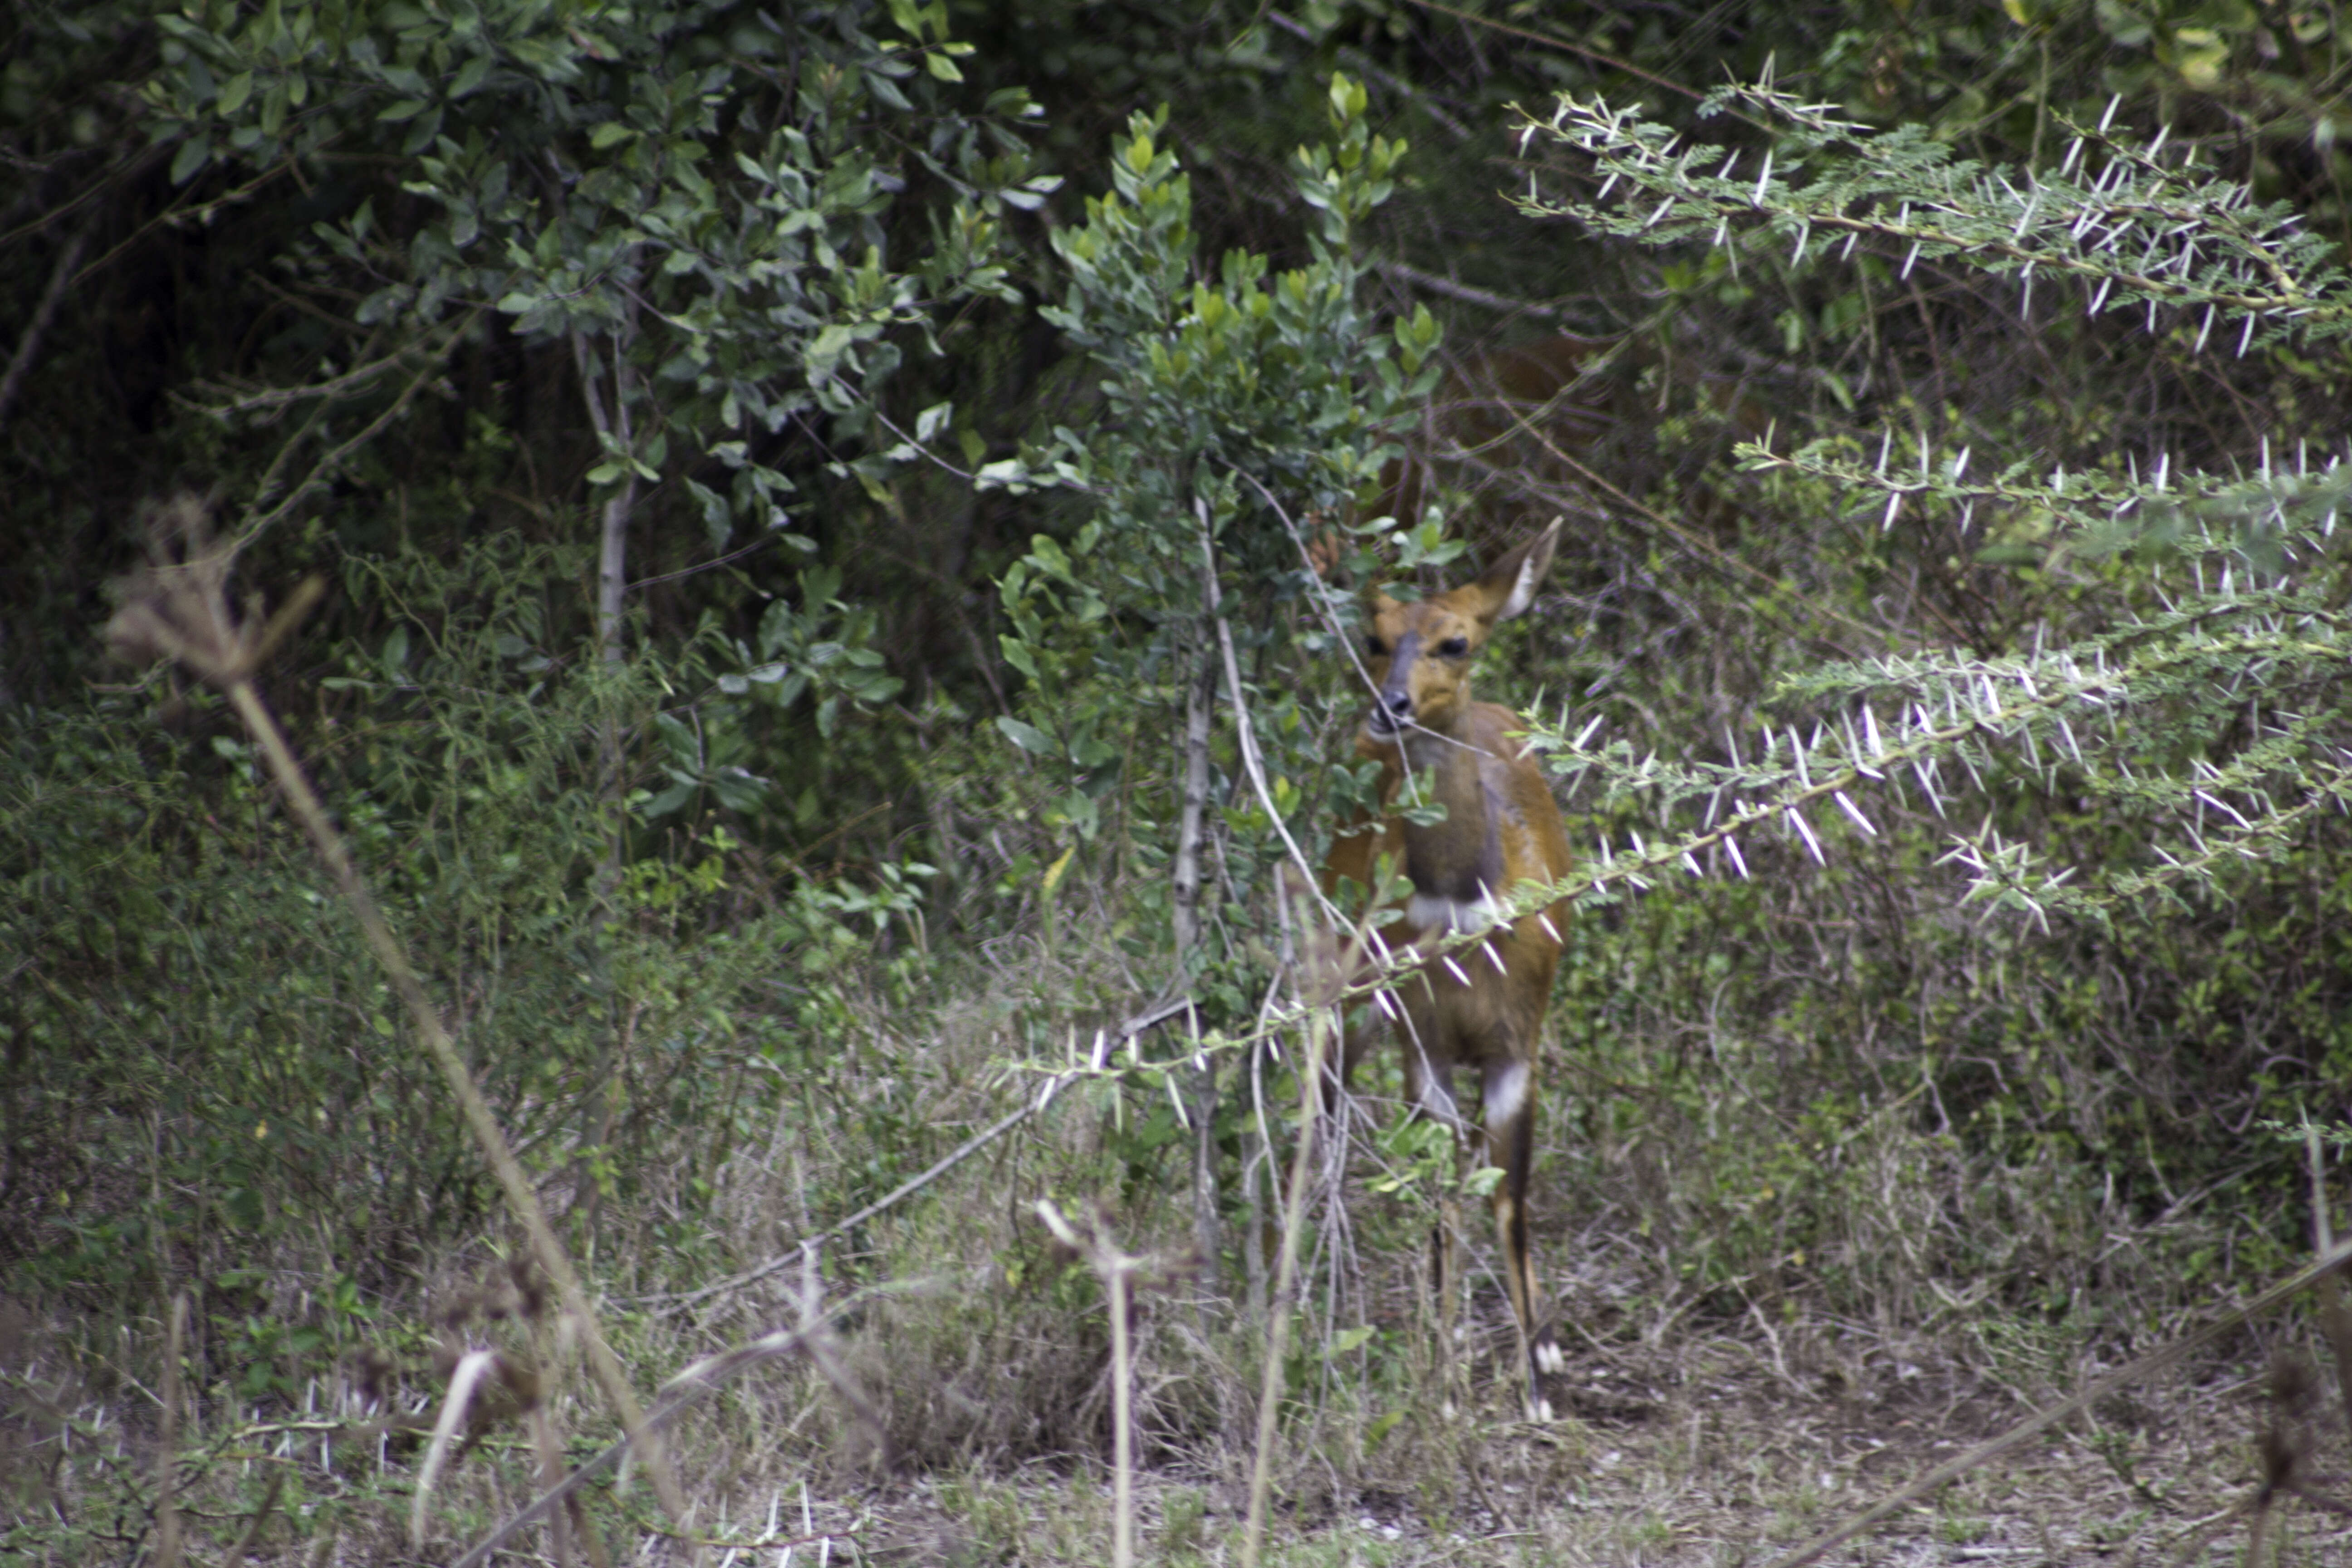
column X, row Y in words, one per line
column 1509, row 585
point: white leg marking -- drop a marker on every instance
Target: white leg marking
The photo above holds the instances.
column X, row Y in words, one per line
column 1507, row 1093
column 1549, row 1359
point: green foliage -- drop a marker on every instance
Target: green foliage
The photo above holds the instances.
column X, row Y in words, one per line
column 1234, row 409
column 689, row 194
column 196, row 1121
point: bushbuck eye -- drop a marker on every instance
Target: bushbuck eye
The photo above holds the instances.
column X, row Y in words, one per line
column 1376, row 647
column 1454, row 647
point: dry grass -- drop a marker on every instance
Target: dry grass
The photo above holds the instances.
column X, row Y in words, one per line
column 1714, row 1414
column 1694, row 1432
column 1710, row 1447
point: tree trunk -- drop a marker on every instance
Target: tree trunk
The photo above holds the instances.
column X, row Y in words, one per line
column 1199, row 698
column 613, row 536
column 612, row 608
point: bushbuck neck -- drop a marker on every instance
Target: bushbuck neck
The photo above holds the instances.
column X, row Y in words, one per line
column 1481, row 1007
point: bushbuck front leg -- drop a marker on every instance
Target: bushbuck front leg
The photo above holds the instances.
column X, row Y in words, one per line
column 1429, row 1088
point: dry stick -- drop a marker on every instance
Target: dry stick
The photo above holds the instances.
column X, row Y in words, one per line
column 1570, row 45
column 1102, row 1251
column 1713, row 554
column 1277, row 1335
column 520, row 1195
column 478, row 1117
column 177, row 607
column 1465, row 292
column 2334, row 1315
column 2154, row 1360
column 167, row 1459
column 1122, row 1408
column 550, row 1450
column 1251, row 763
column 1184, row 913
column 251, row 1537
column 43, row 314
column 784, row 1543
column 818, row 1342
column 2204, row 1530
column 464, row 1379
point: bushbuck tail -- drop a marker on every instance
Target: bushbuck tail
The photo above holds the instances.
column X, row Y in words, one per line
column 1480, row 1005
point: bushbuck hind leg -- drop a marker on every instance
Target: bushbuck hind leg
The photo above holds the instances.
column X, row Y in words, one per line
column 1510, row 1117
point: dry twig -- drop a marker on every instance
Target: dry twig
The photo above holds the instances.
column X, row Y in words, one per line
column 1094, row 1241
column 176, row 607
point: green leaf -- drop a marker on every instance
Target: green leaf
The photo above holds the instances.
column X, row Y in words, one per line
column 1028, row 737
column 1348, row 98
column 404, row 109
column 609, row 134
column 940, row 65
column 668, row 801
column 190, row 158
column 471, row 75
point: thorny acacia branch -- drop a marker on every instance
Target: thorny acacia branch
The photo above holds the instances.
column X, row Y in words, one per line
column 2127, row 224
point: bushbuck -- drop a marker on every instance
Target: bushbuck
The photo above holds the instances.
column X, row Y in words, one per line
column 1480, row 1005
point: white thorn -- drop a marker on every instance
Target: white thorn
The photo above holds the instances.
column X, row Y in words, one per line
column 1855, row 811
column 1805, row 830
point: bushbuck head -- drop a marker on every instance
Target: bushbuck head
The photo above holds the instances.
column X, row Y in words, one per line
column 1419, row 653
